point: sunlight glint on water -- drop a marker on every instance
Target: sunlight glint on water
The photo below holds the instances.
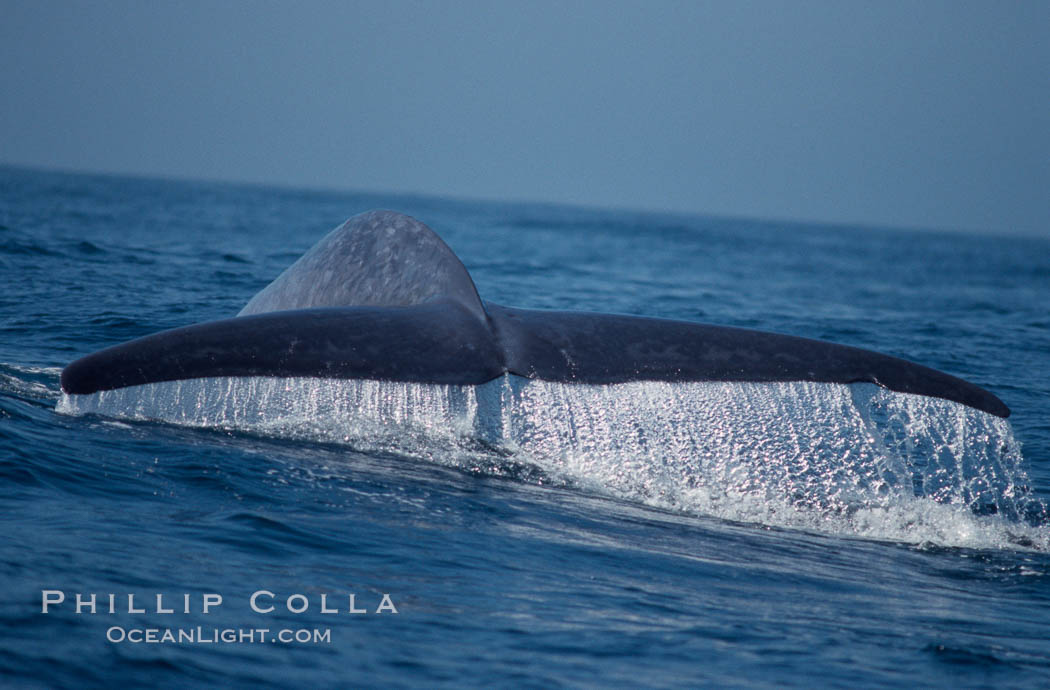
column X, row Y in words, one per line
column 847, row 459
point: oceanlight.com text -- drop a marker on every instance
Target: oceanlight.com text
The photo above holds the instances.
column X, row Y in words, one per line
column 203, row 635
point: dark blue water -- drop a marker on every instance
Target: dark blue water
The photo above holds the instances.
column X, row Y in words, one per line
column 504, row 568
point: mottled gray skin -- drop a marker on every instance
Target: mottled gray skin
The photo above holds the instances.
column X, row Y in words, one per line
column 375, row 259
column 382, row 297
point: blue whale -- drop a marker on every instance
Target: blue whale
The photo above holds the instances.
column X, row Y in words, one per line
column 382, row 297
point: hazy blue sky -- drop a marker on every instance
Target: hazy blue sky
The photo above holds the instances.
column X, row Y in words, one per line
column 917, row 113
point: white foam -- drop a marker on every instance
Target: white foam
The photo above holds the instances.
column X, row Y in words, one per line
column 852, row 459
column 20, row 380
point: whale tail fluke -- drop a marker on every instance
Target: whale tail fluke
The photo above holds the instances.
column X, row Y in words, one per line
column 383, row 297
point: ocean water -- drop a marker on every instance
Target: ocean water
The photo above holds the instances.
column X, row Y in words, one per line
column 520, row 533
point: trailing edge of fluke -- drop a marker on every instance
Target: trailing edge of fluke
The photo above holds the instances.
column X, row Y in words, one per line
column 383, row 297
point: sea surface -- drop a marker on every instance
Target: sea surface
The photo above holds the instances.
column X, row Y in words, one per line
column 785, row 535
